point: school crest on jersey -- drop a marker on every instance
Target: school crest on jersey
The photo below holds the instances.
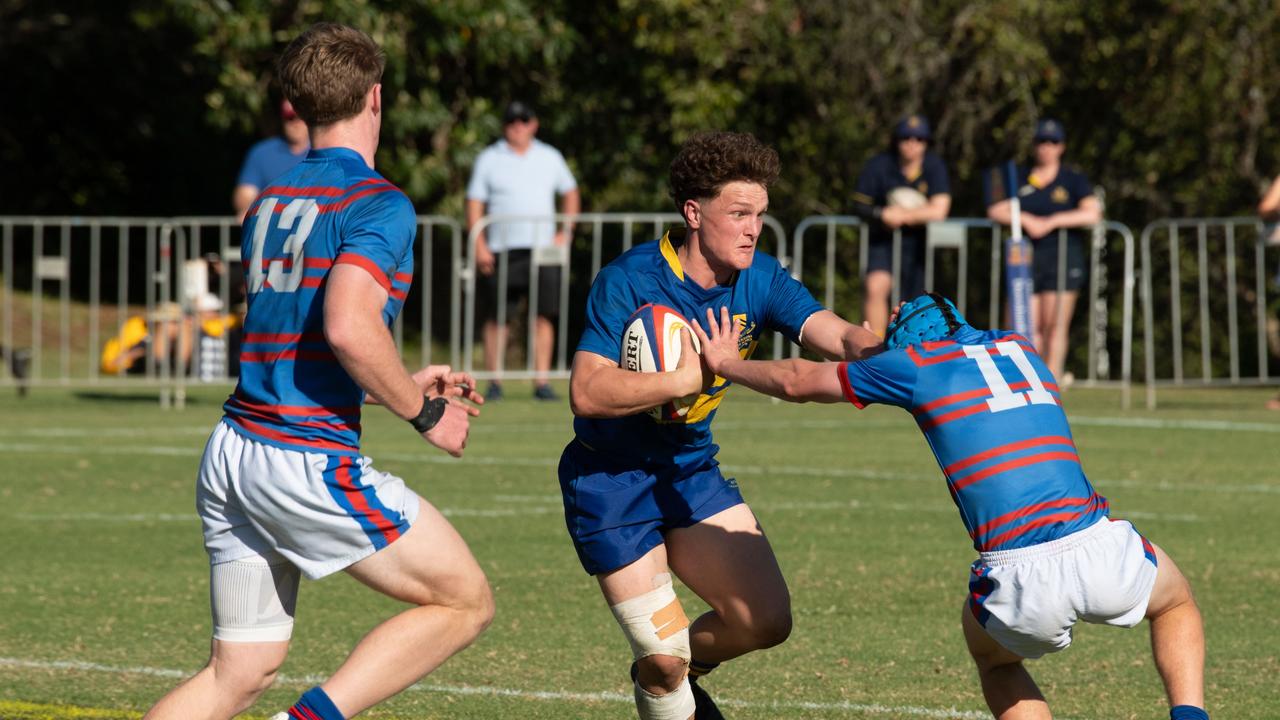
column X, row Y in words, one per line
column 710, row 400
column 1060, row 195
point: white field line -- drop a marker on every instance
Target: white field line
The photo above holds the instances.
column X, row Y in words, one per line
column 544, row 695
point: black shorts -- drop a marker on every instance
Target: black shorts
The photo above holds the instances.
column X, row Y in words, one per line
column 518, row 287
column 911, row 268
column 1044, row 264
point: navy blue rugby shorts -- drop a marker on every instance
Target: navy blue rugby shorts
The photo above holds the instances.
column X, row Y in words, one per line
column 617, row 512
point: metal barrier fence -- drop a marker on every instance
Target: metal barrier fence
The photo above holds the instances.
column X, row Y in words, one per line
column 1111, row 266
column 53, row 279
column 1197, row 350
column 155, row 292
column 603, row 236
column 46, row 243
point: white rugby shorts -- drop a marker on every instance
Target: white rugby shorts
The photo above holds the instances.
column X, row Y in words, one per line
column 1028, row 599
column 320, row 512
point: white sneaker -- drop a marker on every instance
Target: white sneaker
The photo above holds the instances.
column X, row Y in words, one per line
column 280, row 716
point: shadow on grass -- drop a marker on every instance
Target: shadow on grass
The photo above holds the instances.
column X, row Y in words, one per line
column 142, row 396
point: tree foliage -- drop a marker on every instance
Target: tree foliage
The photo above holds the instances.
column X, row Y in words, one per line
column 147, row 106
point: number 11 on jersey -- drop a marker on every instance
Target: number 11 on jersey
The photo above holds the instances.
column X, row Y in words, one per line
column 1002, row 396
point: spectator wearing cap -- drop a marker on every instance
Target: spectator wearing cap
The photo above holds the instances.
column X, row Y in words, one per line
column 270, row 158
column 899, row 192
column 1057, row 203
column 1269, row 212
column 519, row 175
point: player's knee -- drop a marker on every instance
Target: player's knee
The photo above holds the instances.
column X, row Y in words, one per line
column 772, row 628
column 473, row 601
column 657, row 629
column 241, row 682
column 482, row 606
column 762, row 627
column 660, row 674
column 672, row 700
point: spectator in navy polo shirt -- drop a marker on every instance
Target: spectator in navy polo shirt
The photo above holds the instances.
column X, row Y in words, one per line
column 519, row 175
column 269, row 159
column 1053, row 197
column 901, row 190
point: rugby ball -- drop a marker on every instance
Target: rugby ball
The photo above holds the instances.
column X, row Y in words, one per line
column 651, row 343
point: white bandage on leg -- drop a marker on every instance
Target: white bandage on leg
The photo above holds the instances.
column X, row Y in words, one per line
column 654, row 622
column 253, row 600
column 675, row 705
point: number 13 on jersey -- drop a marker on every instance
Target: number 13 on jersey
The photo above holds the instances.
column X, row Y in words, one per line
column 1002, row 396
column 301, row 212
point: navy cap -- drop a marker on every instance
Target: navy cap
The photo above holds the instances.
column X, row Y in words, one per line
column 517, row 110
column 1050, row 130
column 912, row 126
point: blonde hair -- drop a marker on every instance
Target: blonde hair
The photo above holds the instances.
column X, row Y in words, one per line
column 327, row 71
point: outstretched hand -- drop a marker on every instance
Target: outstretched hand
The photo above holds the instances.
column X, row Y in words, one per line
column 441, row 381
column 719, row 341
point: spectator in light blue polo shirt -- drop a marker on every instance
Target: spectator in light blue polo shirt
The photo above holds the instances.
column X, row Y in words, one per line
column 519, row 175
column 269, row 159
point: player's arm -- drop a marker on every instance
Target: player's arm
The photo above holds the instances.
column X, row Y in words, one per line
column 441, row 381
column 795, row 380
column 598, row 388
column 354, row 329
column 835, row 338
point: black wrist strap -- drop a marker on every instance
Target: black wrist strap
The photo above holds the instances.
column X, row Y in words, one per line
column 432, row 411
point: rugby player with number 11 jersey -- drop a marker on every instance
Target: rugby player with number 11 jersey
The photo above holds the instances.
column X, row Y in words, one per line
column 1049, row 555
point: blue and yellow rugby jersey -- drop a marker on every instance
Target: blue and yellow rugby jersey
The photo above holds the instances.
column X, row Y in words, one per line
column 991, row 412
column 330, row 209
column 762, row 297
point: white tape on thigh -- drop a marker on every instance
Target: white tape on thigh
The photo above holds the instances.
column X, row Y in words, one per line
column 654, row 623
column 253, row 600
column 675, row 705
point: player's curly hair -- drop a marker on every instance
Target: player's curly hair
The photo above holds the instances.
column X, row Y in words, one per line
column 708, row 161
column 327, row 71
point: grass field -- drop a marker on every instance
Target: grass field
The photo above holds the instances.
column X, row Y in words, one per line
column 103, row 581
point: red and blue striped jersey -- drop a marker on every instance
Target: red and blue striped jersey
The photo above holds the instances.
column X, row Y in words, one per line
column 989, row 409
column 330, row 209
